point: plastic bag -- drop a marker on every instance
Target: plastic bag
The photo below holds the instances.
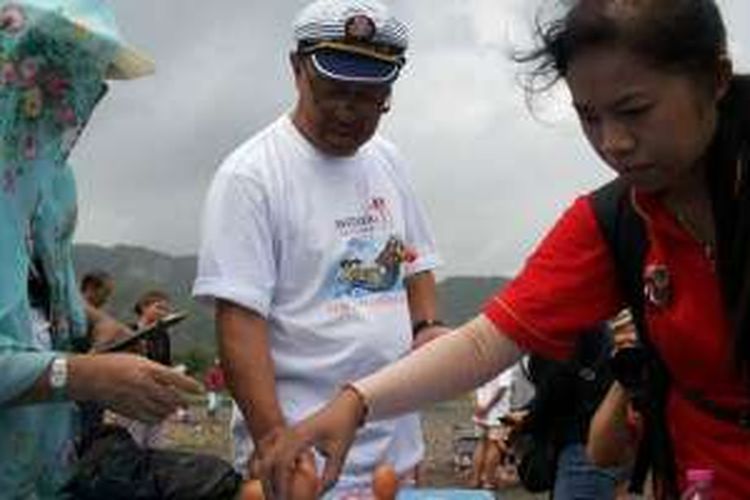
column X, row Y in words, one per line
column 114, row 467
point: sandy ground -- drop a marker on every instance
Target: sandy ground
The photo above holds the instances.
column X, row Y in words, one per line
column 441, row 424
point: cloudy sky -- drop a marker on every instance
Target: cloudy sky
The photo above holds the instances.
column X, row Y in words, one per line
column 491, row 176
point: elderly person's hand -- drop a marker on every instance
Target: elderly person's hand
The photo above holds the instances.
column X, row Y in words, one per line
column 130, row 385
column 303, row 482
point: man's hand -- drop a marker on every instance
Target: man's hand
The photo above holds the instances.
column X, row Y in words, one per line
column 331, row 431
column 304, row 482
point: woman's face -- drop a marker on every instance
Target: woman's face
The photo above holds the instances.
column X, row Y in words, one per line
column 651, row 126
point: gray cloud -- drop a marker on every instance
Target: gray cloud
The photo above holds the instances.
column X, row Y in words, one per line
column 491, row 176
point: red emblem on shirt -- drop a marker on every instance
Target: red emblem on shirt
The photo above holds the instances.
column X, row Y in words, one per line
column 657, row 285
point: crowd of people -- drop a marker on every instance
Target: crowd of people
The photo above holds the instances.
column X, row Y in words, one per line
column 319, row 262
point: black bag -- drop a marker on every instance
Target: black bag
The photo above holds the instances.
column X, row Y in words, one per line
column 567, row 395
column 536, row 463
column 115, row 468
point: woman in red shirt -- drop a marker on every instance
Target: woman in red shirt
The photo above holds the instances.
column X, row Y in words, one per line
column 657, row 99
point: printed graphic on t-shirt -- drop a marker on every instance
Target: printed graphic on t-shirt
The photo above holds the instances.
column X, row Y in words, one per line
column 375, row 216
column 367, row 268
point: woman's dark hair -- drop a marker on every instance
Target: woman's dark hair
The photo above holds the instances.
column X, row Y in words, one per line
column 729, row 186
column 676, row 35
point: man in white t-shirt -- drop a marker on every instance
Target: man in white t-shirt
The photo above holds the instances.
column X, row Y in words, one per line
column 314, row 249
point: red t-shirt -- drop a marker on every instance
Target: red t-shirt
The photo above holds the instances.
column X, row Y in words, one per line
column 569, row 283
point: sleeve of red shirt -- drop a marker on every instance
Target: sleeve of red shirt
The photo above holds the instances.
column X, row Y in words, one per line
column 567, row 285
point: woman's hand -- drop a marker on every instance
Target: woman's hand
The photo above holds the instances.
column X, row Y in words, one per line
column 331, row 431
column 128, row 384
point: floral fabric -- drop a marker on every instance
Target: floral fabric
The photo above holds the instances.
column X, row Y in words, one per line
column 51, row 77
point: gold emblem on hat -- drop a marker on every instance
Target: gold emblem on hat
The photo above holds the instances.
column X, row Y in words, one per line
column 359, row 28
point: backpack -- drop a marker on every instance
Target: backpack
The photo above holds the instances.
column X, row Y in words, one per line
column 567, row 395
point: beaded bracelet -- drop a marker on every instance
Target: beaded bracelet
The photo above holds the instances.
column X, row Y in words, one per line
column 362, row 401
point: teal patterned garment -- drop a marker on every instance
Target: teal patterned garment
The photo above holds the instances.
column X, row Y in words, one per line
column 51, row 77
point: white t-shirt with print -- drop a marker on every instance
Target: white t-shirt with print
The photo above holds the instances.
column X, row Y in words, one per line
column 319, row 246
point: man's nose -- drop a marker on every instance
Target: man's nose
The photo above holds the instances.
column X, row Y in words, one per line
column 345, row 110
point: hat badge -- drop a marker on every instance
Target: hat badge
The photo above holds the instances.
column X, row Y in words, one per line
column 359, row 28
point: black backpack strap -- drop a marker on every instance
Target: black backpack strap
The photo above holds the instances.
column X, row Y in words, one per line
column 624, row 231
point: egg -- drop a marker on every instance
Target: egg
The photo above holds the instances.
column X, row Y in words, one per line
column 384, row 482
column 252, row 490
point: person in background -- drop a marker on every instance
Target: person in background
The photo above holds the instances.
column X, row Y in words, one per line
column 214, row 383
column 151, row 307
column 657, row 98
column 494, row 402
column 56, row 59
column 97, row 287
column 315, row 252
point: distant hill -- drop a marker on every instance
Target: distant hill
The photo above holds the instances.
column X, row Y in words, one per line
column 137, row 269
column 462, row 297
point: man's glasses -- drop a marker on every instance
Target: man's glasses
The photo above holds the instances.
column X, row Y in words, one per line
column 331, row 95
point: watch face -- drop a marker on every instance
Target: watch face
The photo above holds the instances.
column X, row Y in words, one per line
column 58, row 377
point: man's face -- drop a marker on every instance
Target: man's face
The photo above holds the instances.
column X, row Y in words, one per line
column 337, row 117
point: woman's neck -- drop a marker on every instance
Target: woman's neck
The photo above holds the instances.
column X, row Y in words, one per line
column 690, row 203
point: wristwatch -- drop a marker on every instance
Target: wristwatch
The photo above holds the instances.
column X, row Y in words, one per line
column 58, row 378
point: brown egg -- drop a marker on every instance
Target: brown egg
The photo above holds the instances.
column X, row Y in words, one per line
column 384, row 482
column 305, row 482
column 252, row 490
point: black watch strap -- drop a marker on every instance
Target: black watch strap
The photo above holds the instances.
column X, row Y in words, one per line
column 425, row 323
